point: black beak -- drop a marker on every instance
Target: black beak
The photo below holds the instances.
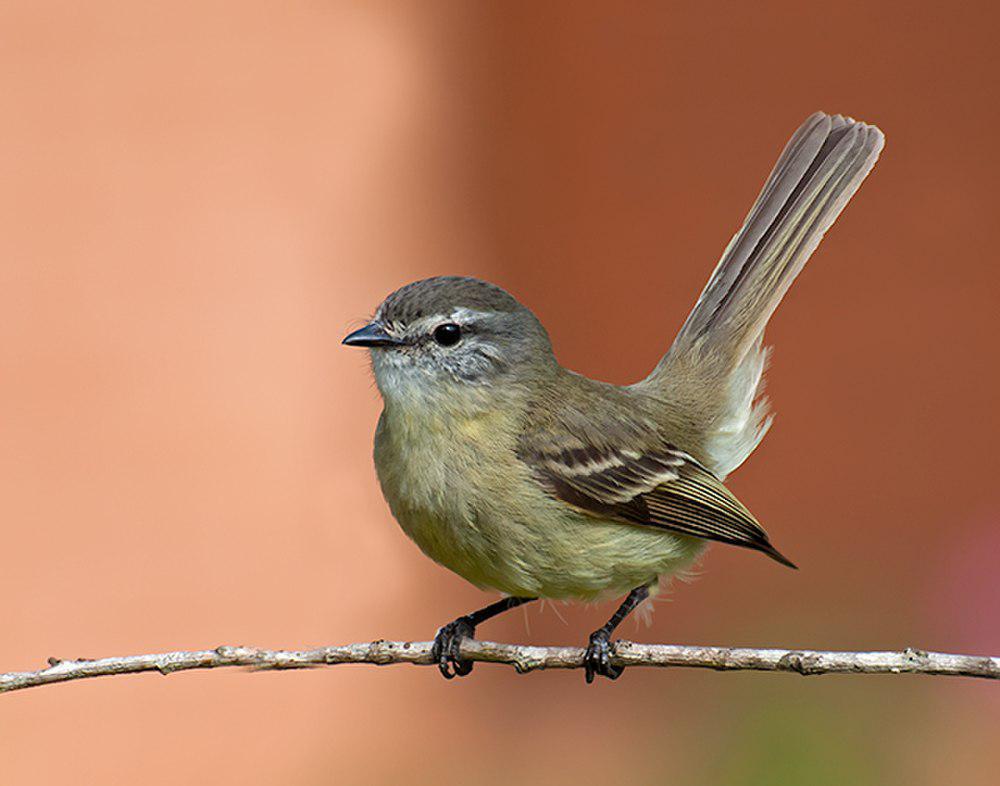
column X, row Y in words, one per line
column 371, row 335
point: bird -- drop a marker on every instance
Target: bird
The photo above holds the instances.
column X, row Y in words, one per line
column 528, row 479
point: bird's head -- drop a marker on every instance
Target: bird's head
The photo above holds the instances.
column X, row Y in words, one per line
column 450, row 334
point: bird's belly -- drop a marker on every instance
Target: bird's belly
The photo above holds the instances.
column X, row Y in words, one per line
column 580, row 557
column 550, row 551
column 495, row 526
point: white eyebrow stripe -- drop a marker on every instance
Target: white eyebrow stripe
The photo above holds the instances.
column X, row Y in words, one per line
column 459, row 315
column 463, row 314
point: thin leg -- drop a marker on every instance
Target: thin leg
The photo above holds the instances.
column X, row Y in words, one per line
column 599, row 650
column 449, row 638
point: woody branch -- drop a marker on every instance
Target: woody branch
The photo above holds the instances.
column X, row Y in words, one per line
column 523, row 658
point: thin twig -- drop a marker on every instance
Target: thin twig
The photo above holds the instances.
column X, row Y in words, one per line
column 523, row 658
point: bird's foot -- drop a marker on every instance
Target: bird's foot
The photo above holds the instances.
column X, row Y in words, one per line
column 597, row 659
column 445, row 651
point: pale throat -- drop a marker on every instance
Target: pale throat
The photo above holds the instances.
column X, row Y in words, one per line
column 419, row 405
column 423, row 395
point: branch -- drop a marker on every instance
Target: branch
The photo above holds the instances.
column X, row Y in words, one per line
column 523, row 658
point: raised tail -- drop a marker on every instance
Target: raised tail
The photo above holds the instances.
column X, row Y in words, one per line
column 820, row 169
column 715, row 365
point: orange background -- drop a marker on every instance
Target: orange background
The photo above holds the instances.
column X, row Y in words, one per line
column 197, row 200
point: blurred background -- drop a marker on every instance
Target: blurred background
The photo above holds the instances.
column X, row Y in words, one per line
column 198, row 200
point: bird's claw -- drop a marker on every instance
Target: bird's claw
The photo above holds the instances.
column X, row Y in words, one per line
column 445, row 651
column 597, row 659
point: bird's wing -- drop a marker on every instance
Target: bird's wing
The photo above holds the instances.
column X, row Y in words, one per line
column 663, row 487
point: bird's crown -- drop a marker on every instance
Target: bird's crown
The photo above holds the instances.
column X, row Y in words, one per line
column 444, row 295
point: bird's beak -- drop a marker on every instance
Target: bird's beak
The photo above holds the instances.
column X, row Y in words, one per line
column 371, row 335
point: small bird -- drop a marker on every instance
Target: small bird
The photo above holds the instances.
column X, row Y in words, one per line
column 526, row 478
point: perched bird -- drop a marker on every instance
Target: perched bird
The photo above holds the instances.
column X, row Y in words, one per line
column 524, row 477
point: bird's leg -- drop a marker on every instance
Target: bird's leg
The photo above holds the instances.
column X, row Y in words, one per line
column 597, row 659
column 449, row 638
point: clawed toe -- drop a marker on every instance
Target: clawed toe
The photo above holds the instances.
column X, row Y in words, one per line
column 447, row 642
column 597, row 659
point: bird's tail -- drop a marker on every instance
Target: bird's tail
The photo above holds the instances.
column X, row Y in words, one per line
column 715, row 365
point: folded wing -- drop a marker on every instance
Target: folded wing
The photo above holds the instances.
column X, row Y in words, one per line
column 663, row 488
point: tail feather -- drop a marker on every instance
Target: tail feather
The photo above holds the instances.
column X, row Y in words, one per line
column 820, row 169
column 713, row 371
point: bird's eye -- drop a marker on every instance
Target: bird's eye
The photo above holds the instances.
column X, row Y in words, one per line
column 448, row 334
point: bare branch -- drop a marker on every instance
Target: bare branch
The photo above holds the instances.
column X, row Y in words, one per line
column 523, row 658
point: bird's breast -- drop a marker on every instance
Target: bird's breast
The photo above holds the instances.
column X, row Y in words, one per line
column 443, row 476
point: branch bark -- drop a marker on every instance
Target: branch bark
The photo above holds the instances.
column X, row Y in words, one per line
column 524, row 658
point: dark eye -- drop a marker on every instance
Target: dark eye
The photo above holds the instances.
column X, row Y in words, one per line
column 448, row 334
